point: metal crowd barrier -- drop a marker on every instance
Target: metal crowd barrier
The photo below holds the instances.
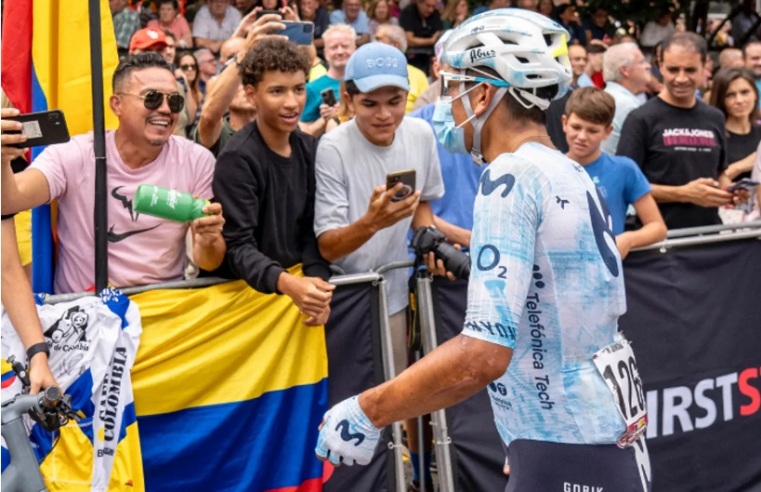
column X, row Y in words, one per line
column 675, row 239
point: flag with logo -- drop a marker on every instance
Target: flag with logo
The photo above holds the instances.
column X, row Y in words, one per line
column 230, row 389
column 46, row 65
column 93, row 342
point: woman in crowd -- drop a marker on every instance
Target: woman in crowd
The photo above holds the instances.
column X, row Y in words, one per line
column 735, row 94
column 270, row 4
column 546, row 8
column 187, row 64
column 455, row 13
column 379, row 13
column 176, row 24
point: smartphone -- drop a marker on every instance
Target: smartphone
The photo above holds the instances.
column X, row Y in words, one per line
column 407, row 178
column 264, row 12
column 328, row 97
column 301, row 33
column 743, row 184
column 44, row 128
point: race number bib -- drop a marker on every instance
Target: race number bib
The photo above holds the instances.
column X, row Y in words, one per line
column 619, row 369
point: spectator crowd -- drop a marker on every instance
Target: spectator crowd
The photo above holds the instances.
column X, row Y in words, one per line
column 293, row 144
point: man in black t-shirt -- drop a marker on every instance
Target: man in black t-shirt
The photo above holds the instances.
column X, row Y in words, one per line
column 679, row 141
column 422, row 23
column 265, row 175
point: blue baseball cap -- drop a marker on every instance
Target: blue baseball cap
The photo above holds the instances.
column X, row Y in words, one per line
column 376, row 65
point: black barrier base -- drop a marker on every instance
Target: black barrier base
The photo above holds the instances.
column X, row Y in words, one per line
column 478, row 455
column 694, row 320
column 355, row 364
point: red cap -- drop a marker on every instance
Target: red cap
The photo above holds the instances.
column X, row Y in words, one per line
column 148, row 39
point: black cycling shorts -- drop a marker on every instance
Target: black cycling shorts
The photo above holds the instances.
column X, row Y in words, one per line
column 537, row 466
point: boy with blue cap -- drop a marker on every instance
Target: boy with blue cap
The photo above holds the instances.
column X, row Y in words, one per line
column 351, row 167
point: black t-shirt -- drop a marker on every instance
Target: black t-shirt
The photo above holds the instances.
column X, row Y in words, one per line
column 741, row 146
column 268, row 204
column 674, row 146
column 554, row 123
column 410, row 20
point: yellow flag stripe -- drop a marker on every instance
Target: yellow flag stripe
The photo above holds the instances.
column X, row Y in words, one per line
column 191, row 339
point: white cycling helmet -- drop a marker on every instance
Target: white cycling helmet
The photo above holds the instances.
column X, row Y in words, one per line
column 526, row 49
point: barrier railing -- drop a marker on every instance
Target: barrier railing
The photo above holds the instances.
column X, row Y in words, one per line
column 443, row 441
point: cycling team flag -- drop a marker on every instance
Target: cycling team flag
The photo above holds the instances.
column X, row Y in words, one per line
column 93, row 342
column 46, row 65
column 230, row 388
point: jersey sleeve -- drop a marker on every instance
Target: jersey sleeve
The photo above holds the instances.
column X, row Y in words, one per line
column 507, row 215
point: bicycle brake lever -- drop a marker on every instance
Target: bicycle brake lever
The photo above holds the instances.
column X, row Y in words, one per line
column 20, row 371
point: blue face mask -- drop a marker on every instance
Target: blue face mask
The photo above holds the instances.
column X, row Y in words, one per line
column 449, row 135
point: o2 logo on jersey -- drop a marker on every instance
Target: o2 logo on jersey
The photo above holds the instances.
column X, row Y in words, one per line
column 488, row 186
column 601, row 227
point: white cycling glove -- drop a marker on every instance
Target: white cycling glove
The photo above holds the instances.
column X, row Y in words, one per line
column 348, row 436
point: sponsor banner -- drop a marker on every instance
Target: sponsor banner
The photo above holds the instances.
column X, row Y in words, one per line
column 93, row 342
column 694, row 321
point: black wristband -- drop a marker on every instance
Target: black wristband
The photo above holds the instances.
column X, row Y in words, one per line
column 36, row 349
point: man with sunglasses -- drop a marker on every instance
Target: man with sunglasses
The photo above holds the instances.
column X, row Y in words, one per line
column 546, row 288
column 150, row 39
column 142, row 249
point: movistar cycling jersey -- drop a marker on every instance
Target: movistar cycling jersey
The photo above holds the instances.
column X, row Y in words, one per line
column 547, row 282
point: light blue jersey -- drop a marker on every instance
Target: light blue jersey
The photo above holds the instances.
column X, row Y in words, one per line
column 547, row 282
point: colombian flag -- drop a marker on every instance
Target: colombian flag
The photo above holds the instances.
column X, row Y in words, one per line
column 230, row 388
column 46, row 65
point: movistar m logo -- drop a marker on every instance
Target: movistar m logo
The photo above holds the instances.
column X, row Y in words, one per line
column 488, row 186
column 347, row 436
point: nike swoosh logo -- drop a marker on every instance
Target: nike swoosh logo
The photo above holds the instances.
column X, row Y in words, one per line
column 347, row 436
column 115, row 238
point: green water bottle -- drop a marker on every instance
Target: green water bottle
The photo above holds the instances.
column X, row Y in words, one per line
column 169, row 204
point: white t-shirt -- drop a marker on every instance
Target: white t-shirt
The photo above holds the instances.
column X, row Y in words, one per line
column 654, row 33
column 348, row 168
column 206, row 26
column 141, row 249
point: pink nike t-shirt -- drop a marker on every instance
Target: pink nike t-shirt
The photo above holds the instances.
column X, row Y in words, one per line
column 141, row 249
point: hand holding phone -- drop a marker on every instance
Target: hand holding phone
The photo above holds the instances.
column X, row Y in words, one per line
column 300, row 33
column 328, row 97
column 407, row 178
column 743, row 184
column 43, row 128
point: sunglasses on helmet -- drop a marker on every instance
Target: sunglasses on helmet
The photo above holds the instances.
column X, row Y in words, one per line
column 447, row 78
column 154, row 99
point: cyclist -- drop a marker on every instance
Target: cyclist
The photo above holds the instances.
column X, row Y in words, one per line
column 546, row 287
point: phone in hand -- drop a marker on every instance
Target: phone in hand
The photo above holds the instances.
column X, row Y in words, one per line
column 407, row 178
column 264, row 12
column 43, row 128
column 743, row 184
column 301, row 33
column 328, row 97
